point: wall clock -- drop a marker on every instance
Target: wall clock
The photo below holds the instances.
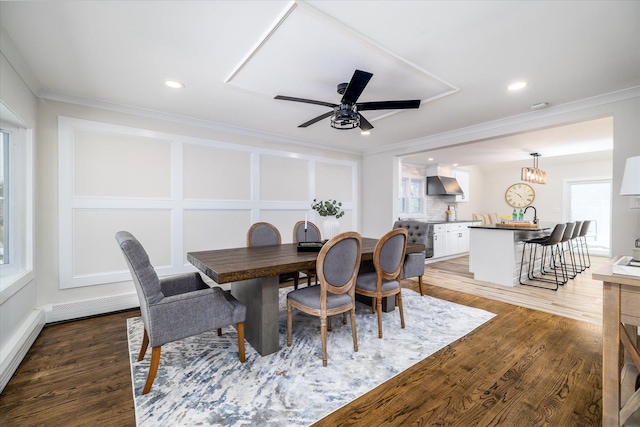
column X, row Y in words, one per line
column 519, row 195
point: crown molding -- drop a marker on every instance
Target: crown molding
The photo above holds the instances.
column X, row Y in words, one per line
column 469, row 133
column 174, row 118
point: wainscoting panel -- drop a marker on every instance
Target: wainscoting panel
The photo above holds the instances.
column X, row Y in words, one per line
column 178, row 194
column 216, row 174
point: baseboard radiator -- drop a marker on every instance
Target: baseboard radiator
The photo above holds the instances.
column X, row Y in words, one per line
column 18, row 345
column 92, row 307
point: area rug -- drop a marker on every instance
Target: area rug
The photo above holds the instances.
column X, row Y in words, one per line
column 201, row 381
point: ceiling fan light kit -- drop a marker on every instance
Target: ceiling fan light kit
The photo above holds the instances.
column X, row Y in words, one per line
column 345, row 115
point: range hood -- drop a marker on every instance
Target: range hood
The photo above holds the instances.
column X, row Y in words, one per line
column 443, row 185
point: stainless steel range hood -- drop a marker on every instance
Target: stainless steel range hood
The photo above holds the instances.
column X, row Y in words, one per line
column 443, row 185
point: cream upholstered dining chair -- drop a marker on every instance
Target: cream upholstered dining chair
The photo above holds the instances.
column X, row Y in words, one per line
column 176, row 307
column 388, row 258
column 312, row 235
column 266, row 234
column 337, row 268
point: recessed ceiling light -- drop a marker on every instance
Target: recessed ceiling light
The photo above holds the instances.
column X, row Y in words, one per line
column 430, row 159
column 173, row 84
column 365, row 132
column 455, row 164
column 516, row 86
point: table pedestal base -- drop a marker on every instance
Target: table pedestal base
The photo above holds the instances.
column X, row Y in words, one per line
column 261, row 325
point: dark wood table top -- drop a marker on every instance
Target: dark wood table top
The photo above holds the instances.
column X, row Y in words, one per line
column 231, row 265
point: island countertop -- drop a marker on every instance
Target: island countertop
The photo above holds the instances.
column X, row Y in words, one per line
column 506, row 227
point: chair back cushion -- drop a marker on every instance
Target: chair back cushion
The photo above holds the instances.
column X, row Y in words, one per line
column 144, row 276
column 339, row 261
column 576, row 230
column 568, row 231
column 388, row 255
column 585, row 228
column 392, row 253
column 416, row 230
column 556, row 234
column 312, row 234
column 263, row 234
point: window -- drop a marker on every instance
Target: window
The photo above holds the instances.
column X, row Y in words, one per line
column 411, row 199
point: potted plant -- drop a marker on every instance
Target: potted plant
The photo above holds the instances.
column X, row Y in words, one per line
column 331, row 210
column 328, row 207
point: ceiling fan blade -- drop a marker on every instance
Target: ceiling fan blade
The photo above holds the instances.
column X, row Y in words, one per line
column 358, row 82
column 308, row 101
column 388, row 105
column 364, row 123
column 317, row 119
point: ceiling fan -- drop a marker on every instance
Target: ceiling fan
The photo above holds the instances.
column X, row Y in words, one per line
column 346, row 114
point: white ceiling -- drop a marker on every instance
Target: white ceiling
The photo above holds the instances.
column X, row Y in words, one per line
column 234, row 56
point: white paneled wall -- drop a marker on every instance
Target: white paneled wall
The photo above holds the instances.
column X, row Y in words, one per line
column 178, row 194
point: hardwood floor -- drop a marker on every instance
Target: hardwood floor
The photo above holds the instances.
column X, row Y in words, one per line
column 580, row 298
column 524, row 367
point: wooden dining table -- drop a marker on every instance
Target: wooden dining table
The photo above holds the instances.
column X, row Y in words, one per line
column 253, row 273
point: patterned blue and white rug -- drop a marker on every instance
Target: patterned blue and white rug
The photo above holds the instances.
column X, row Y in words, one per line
column 201, row 381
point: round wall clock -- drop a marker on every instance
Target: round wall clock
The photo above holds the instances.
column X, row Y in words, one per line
column 519, row 195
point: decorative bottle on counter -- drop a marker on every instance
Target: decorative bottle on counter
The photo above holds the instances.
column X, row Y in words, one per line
column 520, row 215
column 514, row 215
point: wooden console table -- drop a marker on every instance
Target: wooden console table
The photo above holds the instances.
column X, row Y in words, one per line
column 620, row 319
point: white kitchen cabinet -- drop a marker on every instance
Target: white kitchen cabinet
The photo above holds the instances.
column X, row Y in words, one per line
column 439, row 241
column 450, row 239
column 462, row 176
column 457, row 238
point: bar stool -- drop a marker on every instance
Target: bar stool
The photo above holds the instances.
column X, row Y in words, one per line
column 551, row 242
column 575, row 247
column 583, row 243
column 566, row 238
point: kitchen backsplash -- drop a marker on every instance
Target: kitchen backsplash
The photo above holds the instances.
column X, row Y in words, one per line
column 437, row 207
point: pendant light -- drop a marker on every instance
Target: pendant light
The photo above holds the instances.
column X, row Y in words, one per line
column 534, row 174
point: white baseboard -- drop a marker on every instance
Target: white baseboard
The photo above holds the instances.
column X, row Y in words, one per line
column 18, row 345
column 445, row 258
column 92, row 307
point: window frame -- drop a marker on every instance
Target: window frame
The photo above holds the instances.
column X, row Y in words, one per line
column 5, row 197
column 406, row 196
column 18, row 206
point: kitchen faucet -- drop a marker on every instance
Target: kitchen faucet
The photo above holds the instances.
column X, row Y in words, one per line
column 535, row 213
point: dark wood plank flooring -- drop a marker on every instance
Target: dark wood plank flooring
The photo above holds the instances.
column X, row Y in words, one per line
column 522, row 368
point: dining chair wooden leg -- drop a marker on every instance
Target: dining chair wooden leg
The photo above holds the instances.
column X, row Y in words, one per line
column 153, row 369
column 329, row 323
column 399, row 304
column 241, row 353
column 289, row 323
column 379, row 307
column 344, row 318
column 323, row 334
column 420, row 285
column 143, row 347
column 219, row 331
column 354, row 331
column 373, row 304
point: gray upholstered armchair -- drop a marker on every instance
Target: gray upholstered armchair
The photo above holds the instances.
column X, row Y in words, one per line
column 176, row 307
column 414, row 262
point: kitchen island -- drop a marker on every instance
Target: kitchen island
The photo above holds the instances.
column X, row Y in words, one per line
column 495, row 251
